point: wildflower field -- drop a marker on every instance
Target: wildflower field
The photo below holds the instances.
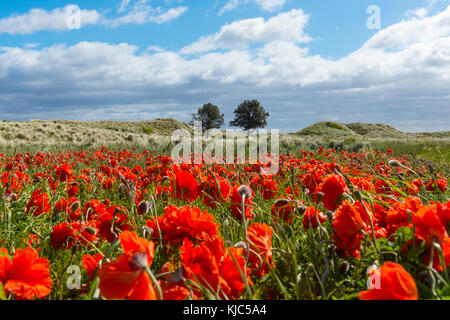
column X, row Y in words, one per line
column 134, row 225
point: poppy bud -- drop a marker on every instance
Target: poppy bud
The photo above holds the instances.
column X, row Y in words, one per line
column 241, row 244
column 147, row 230
column 245, row 191
column 341, row 198
column 177, row 275
column 394, row 163
column 90, row 230
column 329, row 215
column 75, row 206
column 143, row 207
column 301, row 209
column 319, row 196
column 122, row 189
column 164, row 179
column 425, row 278
column 340, row 252
column 11, row 197
column 344, row 267
column 281, row 202
column 331, row 249
column 139, row 261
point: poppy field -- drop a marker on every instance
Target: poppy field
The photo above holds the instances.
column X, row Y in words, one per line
column 133, row 225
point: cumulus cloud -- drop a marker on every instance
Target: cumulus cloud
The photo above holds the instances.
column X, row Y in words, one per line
column 393, row 78
column 286, row 26
column 411, row 31
column 267, row 5
column 40, row 19
column 62, row 19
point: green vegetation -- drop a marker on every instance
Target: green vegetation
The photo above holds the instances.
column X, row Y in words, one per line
column 147, row 130
column 250, row 114
column 328, row 129
column 210, row 117
column 37, row 135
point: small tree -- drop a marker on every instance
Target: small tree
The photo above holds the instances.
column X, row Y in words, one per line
column 209, row 115
column 250, row 115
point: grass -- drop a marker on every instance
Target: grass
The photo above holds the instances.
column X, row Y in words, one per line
column 53, row 135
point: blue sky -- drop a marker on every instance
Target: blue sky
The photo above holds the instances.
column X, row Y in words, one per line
column 306, row 61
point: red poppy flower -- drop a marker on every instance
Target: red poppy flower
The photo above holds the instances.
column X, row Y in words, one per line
column 236, row 204
column 27, row 275
column 185, row 186
column 395, row 283
column 209, row 266
column 437, row 263
column 126, row 278
column 90, row 263
column 174, row 291
column 441, row 184
column 64, row 172
column 72, row 191
column 111, row 221
column 309, row 218
column 269, row 188
column 399, row 215
column 443, row 211
column 188, row 222
column 349, row 224
column 260, row 239
column 333, row 186
column 39, row 203
column 312, row 179
column 214, row 190
column 173, row 287
column 108, row 183
column 153, row 227
column 64, row 236
column 428, row 225
column 284, row 209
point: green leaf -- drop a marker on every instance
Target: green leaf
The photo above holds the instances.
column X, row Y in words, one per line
column 2, row 292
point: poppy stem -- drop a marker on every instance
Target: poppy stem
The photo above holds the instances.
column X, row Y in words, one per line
column 433, row 279
column 324, row 277
column 244, row 224
column 155, row 282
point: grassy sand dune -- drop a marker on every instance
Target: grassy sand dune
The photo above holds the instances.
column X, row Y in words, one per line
column 49, row 135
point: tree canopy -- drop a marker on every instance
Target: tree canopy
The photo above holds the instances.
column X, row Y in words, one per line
column 250, row 114
column 210, row 117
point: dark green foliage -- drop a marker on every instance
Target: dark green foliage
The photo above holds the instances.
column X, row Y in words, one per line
column 210, row 117
column 250, row 115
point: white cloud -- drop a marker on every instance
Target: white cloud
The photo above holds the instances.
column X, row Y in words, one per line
column 394, row 77
column 169, row 15
column 40, row 19
column 230, row 5
column 123, row 5
column 267, row 5
column 59, row 19
column 422, row 12
column 141, row 12
column 287, row 26
column 414, row 30
column 270, row 5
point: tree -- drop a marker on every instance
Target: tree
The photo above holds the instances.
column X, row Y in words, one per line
column 209, row 115
column 250, row 115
